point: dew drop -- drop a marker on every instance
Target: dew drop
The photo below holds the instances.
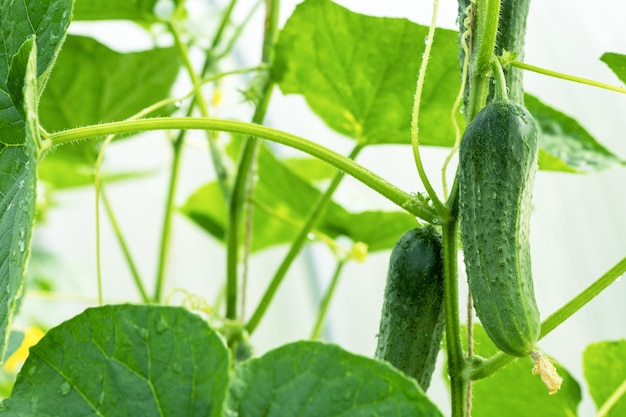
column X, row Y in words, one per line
column 31, row 370
column 143, row 333
column 65, row 388
column 21, row 184
column 310, row 236
column 21, row 245
column 161, row 326
column 618, row 279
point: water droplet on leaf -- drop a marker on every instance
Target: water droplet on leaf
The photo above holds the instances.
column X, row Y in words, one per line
column 65, row 388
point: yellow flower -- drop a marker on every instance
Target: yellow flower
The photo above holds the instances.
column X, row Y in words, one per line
column 32, row 335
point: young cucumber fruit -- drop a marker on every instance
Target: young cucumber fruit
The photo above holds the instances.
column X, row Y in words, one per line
column 411, row 324
column 497, row 165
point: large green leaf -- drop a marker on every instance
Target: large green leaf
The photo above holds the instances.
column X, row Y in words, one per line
column 358, row 73
column 18, row 181
column 283, row 201
column 617, row 63
column 312, row 379
column 604, row 365
column 124, row 360
column 515, row 392
column 23, row 69
column 109, row 86
column 565, row 145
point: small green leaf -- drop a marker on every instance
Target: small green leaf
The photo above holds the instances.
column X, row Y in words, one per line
column 137, row 10
column 311, row 379
column 282, row 203
column 358, row 73
column 617, row 63
column 604, row 365
column 565, row 145
column 124, row 360
column 514, row 391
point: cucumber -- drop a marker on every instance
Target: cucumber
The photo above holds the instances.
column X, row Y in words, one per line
column 497, row 165
column 412, row 320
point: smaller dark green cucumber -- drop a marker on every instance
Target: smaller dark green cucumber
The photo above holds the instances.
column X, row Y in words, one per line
column 497, row 165
column 412, row 320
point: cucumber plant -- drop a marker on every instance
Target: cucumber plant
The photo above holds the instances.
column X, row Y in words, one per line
column 62, row 94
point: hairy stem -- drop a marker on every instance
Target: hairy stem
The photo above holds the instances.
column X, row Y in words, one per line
column 360, row 173
column 456, row 357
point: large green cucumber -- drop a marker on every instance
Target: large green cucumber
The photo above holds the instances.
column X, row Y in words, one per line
column 411, row 325
column 497, row 165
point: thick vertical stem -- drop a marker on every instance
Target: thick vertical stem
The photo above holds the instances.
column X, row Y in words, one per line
column 454, row 345
column 246, row 161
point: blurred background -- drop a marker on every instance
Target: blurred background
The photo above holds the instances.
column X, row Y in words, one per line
column 578, row 226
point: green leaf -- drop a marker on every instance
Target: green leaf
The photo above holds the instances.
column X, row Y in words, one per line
column 110, row 86
column 19, row 20
column 565, row 145
column 18, row 178
column 515, row 392
column 138, row 10
column 617, row 63
column 24, row 68
column 604, row 366
column 358, row 73
column 282, row 202
column 315, row 379
column 124, row 360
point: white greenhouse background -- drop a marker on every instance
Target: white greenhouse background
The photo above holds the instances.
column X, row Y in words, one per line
column 578, row 224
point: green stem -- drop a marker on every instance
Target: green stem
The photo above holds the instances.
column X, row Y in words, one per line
column 456, row 358
column 500, row 359
column 316, row 213
column 125, row 250
column 245, row 165
column 566, row 77
column 501, row 93
column 486, row 27
column 441, row 209
column 323, row 310
column 216, row 156
column 166, row 230
column 224, row 22
column 484, row 41
column 604, row 410
column 340, row 162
